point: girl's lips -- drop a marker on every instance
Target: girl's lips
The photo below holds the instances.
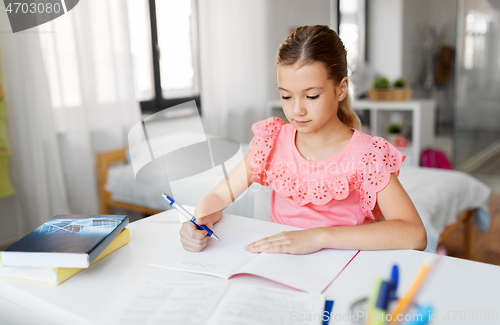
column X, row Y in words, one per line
column 301, row 123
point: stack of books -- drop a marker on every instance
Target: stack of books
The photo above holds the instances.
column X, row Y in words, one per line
column 63, row 246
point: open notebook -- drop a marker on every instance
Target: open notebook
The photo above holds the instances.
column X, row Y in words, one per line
column 163, row 301
column 227, row 257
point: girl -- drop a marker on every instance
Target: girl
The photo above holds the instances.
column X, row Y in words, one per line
column 327, row 177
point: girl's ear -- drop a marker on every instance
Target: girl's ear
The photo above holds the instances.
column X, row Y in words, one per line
column 342, row 89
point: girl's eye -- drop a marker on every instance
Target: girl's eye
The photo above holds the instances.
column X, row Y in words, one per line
column 285, row 97
column 313, row 97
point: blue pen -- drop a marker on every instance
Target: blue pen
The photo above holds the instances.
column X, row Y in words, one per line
column 188, row 215
column 394, row 279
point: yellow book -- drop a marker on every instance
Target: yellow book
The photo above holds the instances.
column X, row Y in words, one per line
column 56, row 275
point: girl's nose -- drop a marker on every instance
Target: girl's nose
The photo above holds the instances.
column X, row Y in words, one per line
column 298, row 108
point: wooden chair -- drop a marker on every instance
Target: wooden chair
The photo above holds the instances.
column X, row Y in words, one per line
column 104, row 161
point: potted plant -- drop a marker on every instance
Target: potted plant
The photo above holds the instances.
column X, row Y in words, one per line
column 381, row 83
column 400, row 83
column 393, row 131
column 383, row 90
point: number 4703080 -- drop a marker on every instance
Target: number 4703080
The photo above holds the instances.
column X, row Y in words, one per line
column 32, row 8
column 471, row 316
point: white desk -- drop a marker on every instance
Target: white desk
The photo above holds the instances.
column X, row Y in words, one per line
column 458, row 285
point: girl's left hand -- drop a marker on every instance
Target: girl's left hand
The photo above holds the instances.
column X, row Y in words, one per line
column 291, row 242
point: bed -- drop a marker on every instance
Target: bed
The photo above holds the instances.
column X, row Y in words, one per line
column 443, row 198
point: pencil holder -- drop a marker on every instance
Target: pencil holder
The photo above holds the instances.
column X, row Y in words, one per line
column 416, row 314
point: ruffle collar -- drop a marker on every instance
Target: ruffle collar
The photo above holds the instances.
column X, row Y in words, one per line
column 378, row 160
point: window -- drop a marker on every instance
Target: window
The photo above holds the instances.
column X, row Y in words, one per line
column 352, row 30
column 476, row 30
column 164, row 45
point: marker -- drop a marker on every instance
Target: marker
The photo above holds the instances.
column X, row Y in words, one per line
column 188, row 216
column 372, row 301
column 379, row 313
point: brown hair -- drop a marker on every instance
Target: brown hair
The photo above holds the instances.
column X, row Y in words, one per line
column 308, row 44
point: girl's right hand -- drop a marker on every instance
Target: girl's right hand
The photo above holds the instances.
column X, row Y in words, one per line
column 192, row 238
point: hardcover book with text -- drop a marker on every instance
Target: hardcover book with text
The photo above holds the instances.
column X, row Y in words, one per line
column 69, row 241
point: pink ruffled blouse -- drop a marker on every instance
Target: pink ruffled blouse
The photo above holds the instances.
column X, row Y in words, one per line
column 340, row 190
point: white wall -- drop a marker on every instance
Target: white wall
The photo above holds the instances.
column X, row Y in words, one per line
column 232, row 58
column 282, row 16
column 385, row 37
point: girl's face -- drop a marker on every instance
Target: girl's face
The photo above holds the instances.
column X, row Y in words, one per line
column 310, row 100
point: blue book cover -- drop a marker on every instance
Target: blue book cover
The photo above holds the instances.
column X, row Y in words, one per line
column 72, row 241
